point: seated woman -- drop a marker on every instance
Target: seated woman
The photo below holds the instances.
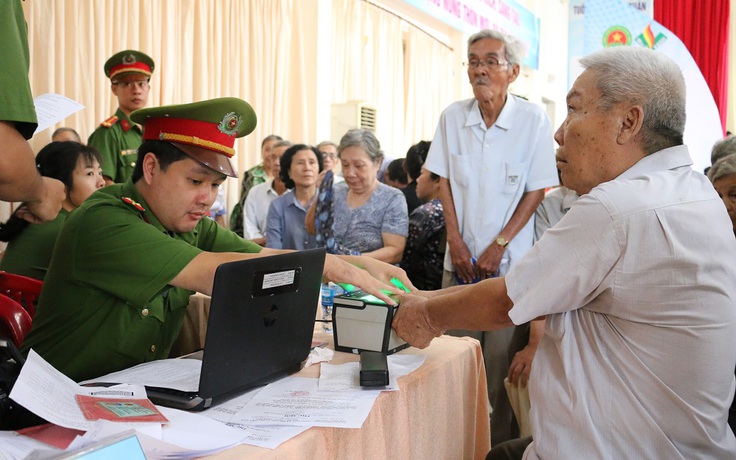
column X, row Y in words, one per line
column 368, row 217
column 30, row 246
column 425, row 248
column 285, row 228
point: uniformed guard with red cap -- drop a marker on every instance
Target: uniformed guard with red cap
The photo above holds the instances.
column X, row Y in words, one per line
column 127, row 259
column 205, row 131
column 118, row 138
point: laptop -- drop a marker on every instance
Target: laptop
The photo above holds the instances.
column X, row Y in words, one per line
column 260, row 327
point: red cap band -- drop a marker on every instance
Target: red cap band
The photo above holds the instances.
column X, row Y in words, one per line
column 193, row 132
column 138, row 67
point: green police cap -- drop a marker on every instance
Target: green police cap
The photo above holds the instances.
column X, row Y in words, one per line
column 206, row 131
column 129, row 62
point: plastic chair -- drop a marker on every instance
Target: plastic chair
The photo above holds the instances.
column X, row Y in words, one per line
column 22, row 289
column 15, row 322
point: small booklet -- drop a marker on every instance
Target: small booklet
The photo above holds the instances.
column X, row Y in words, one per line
column 119, row 409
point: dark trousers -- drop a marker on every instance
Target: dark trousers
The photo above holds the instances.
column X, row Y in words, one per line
column 499, row 348
column 509, row 450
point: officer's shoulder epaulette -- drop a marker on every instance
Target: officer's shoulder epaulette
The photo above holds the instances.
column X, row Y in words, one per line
column 133, row 203
column 110, row 121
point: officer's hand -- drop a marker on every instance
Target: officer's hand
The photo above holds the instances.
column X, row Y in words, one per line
column 47, row 208
column 338, row 269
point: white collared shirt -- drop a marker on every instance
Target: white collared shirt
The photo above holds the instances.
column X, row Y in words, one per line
column 638, row 282
column 255, row 215
column 490, row 169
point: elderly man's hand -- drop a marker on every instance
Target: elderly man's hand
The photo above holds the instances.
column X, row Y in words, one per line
column 412, row 322
column 488, row 263
column 521, row 366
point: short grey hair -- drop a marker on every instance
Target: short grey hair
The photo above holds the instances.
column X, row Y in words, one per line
column 515, row 48
column 364, row 139
column 281, row 143
column 324, row 143
column 723, row 148
column 637, row 75
column 726, row 166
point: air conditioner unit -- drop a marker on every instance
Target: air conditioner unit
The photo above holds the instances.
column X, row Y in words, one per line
column 353, row 114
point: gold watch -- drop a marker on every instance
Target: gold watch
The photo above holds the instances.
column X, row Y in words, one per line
column 501, row 241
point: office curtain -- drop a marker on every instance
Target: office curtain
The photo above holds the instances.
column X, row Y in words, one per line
column 428, row 84
column 369, row 66
column 202, row 49
column 703, row 26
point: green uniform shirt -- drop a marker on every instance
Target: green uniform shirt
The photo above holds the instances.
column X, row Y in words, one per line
column 29, row 253
column 16, row 101
column 106, row 303
column 118, row 146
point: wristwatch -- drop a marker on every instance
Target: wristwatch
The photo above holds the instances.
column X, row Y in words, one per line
column 501, row 241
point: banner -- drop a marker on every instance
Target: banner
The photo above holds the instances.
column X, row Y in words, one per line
column 470, row 16
column 616, row 23
column 576, row 32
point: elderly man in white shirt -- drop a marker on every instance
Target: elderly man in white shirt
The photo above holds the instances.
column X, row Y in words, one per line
column 638, row 355
column 255, row 210
column 495, row 155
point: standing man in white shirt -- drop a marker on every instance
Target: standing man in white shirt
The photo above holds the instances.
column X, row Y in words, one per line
column 255, row 212
column 495, row 155
column 639, row 349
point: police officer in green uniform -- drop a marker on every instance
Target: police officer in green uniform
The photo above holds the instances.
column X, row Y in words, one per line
column 118, row 137
column 19, row 179
column 127, row 259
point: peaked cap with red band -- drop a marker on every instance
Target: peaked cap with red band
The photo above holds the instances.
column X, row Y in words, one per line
column 129, row 62
column 206, row 131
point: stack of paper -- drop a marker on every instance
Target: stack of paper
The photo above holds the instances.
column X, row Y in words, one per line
column 264, row 417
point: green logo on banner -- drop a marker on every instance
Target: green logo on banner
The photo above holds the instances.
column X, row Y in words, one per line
column 616, row 36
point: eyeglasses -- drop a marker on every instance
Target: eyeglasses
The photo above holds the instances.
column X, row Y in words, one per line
column 140, row 84
column 492, row 64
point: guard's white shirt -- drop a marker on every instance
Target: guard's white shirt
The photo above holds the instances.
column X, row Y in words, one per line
column 489, row 169
column 255, row 215
column 638, row 282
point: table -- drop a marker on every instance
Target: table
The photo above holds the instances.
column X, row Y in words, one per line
column 441, row 410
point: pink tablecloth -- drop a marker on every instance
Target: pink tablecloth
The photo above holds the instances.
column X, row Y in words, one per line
column 441, row 410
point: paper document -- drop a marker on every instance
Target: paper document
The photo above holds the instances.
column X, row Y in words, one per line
column 51, row 395
column 52, row 108
column 268, row 436
column 14, row 446
column 298, row 401
column 177, row 373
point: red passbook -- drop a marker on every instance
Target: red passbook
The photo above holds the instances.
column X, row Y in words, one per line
column 119, row 409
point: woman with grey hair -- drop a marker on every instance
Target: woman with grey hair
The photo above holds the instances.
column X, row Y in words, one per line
column 360, row 215
column 723, row 148
column 723, row 176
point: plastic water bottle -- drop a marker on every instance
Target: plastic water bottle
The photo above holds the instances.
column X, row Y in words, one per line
column 328, row 301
